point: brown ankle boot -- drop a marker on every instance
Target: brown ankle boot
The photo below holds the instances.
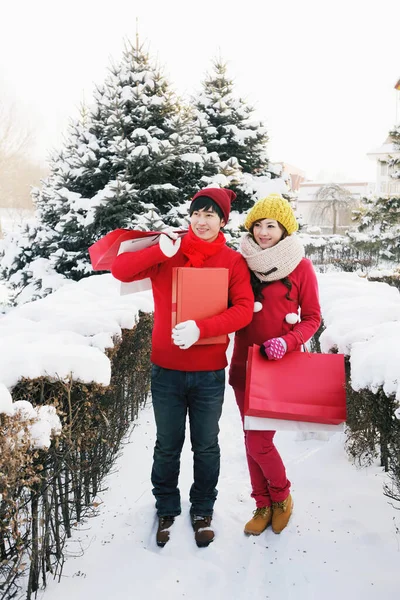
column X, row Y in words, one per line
column 203, row 530
column 281, row 512
column 162, row 536
column 260, row 521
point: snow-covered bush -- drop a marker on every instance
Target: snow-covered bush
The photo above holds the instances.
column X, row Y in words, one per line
column 362, row 321
column 337, row 253
column 74, row 375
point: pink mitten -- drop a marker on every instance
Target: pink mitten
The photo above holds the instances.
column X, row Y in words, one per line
column 274, row 349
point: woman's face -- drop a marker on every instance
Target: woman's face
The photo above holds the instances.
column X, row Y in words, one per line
column 267, row 233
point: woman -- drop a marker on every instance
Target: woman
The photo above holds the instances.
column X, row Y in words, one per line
column 286, row 314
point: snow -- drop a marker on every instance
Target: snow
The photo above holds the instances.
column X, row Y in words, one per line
column 3, row 295
column 192, row 157
column 5, row 400
column 375, row 362
column 341, row 540
column 264, row 185
column 45, row 422
column 140, row 151
column 67, row 332
column 51, row 357
column 362, row 320
column 43, row 270
column 161, row 186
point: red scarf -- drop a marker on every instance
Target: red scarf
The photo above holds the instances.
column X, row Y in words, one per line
column 197, row 250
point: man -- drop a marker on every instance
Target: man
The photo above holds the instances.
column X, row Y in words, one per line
column 188, row 378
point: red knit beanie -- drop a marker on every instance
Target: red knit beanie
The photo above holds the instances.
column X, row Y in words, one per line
column 221, row 196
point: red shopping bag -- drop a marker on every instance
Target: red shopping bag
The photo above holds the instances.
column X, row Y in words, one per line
column 302, row 386
column 103, row 252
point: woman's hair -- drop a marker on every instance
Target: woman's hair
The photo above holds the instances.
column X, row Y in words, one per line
column 258, row 285
column 205, row 203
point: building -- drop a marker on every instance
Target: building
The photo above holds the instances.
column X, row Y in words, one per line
column 385, row 185
column 292, row 175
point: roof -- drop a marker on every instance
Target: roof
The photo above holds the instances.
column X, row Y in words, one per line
column 388, row 148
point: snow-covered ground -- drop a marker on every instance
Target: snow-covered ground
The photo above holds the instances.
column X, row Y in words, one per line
column 342, row 541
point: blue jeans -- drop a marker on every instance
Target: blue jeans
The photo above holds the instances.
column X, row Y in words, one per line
column 176, row 394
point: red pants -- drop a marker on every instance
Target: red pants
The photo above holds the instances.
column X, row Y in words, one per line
column 267, row 471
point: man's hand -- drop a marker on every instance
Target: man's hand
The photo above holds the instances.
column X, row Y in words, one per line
column 185, row 334
column 169, row 246
column 170, row 233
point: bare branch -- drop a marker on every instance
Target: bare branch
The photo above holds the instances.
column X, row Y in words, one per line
column 15, row 139
column 330, row 200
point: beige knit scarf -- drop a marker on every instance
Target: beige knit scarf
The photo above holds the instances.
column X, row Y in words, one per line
column 272, row 264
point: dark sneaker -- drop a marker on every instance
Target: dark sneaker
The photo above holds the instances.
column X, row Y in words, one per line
column 203, row 532
column 164, row 523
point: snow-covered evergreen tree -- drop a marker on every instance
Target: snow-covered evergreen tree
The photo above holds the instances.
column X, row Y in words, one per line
column 228, row 127
column 136, row 145
column 378, row 227
column 151, row 220
column 378, row 219
column 227, row 123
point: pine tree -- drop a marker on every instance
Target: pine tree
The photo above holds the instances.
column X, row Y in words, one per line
column 378, row 219
column 193, row 164
column 136, row 145
column 227, row 123
column 151, row 220
column 228, row 128
column 394, row 163
column 378, row 227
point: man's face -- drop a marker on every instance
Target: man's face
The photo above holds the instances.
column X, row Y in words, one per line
column 206, row 224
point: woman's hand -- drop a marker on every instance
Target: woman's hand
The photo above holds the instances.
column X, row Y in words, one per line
column 274, row 349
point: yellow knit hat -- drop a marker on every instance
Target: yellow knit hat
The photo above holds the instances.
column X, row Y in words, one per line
column 273, row 207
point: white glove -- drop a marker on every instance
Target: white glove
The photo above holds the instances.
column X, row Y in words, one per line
column 170, row 233
column 168, row 246
column 185, row 334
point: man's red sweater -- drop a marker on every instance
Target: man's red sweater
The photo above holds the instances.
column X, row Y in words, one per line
column 152, row 263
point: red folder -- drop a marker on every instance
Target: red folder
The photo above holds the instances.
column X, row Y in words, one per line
column 199, row 294
column 302, row 386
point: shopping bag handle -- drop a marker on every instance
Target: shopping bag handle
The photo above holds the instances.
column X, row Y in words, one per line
column 305, row 349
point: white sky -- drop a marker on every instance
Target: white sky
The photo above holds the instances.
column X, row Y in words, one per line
column 320, row 74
